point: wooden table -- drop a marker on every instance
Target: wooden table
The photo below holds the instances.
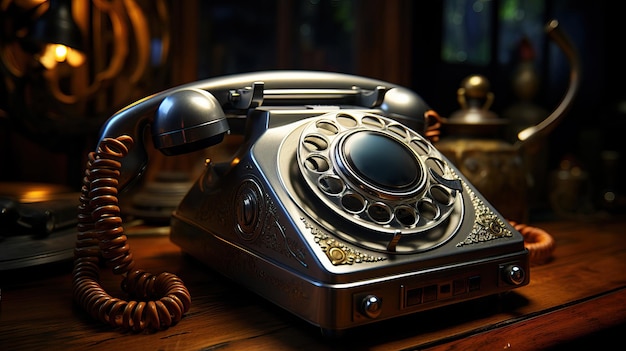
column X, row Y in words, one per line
column 579, row 298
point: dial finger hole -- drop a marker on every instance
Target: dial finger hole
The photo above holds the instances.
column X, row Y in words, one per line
column 353, row 203
column 406, row 215
column 331, row 185
column 379, row 213
column 372, row 121
column 441, row 195
column 427, row 209
column 399, row 131
column 346, row 120
column 315, row 142
column 420, row 146
column 317, row 163
column 327, row 127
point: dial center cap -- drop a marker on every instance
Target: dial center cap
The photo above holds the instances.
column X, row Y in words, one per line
column 381, row 160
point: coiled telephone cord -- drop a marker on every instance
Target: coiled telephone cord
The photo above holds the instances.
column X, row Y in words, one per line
column 162, row 299
column 539, row 243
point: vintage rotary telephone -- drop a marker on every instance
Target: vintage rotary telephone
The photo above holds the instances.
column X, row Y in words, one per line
column 335, row 207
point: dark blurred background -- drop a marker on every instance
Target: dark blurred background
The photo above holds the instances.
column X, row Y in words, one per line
column 50, row 114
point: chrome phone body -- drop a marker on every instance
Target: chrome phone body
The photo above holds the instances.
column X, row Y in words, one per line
column 343, row 214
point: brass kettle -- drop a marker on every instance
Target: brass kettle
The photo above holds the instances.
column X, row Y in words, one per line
column 473, row 138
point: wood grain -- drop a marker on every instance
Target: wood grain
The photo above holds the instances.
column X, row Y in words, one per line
column 577, row 297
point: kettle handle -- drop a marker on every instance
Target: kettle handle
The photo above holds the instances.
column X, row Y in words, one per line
column 547, row 125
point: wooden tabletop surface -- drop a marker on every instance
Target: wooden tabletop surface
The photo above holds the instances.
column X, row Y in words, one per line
column 578, row 298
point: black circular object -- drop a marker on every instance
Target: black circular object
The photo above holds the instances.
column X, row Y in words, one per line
column 382, row 160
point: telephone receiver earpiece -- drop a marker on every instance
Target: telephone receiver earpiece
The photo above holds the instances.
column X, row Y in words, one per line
column 188, row 120
column 182, row 120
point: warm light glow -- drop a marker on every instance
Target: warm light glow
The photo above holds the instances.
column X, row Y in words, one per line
column 56, row 53
column 74, row 57
column 60, row 52
column 47, row 59
column 35, row 195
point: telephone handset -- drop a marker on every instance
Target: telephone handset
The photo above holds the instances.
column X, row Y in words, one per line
column 335, row 207
column 192, row 116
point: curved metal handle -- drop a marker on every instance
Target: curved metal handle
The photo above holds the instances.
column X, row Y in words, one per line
column 548, row 124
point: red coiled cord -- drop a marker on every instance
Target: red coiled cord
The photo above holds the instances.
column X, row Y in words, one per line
column 163, row 299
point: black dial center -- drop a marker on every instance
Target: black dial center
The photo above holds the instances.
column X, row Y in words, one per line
column 382, row 160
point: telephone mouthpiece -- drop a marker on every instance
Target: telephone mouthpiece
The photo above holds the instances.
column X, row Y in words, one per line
column 188, row 120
